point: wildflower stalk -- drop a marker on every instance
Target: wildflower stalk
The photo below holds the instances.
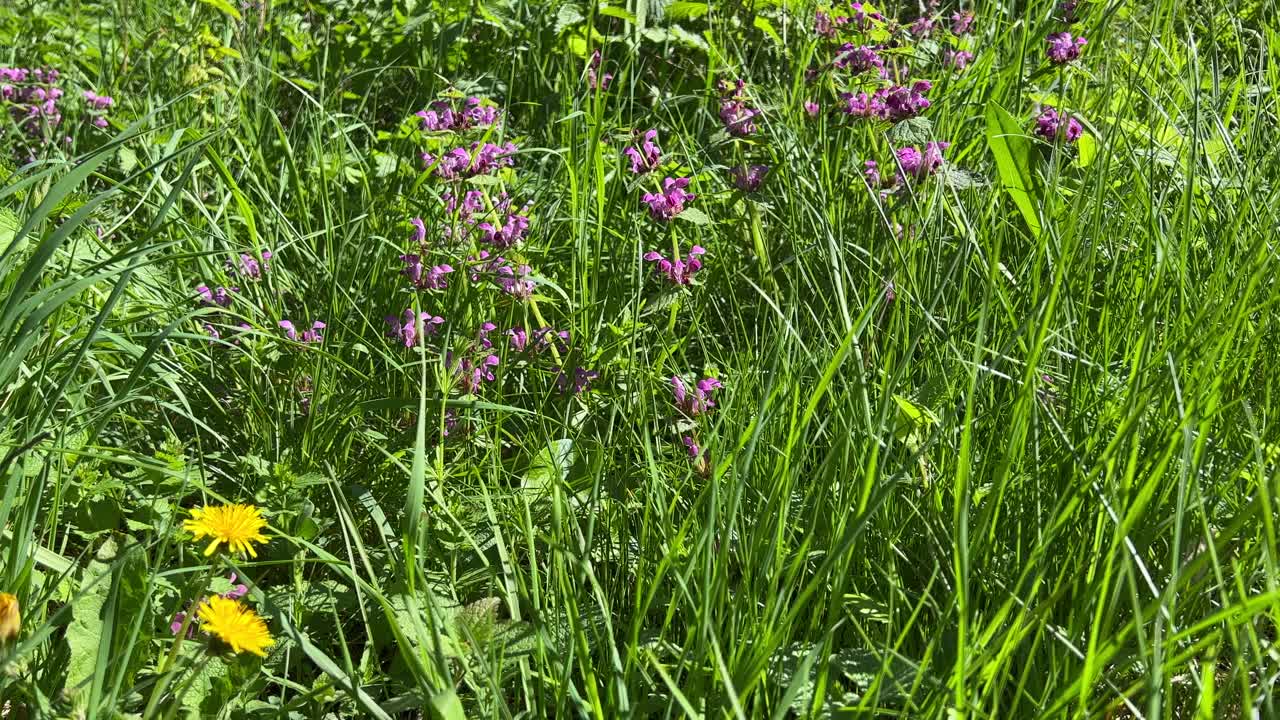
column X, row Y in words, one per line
column 537, row 315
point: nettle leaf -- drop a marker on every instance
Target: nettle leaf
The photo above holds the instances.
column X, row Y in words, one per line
column 954, row 177
column 1015, row 155
column 695, row 216
column 912, row 131
column 552, row 461
column 566, row 17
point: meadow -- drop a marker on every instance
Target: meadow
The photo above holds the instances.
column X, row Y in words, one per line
column 639, row 358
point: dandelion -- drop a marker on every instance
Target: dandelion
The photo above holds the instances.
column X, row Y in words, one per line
column 748, row 178
column 236, row 526
column 10, row 618
column 236, row 625
column 670, row 202
column 678, row 272
column 647, row 157
column 1051, row 126
column 1063, row 48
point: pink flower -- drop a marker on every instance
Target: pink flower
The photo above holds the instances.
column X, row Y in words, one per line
column 678, row 272
column 405, row 327
column 957, row 59
column 1063, row 48
column 696, row 400
column 647, row 157
column 670, row 202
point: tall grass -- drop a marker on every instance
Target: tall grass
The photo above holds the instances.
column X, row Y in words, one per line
column 970, row 460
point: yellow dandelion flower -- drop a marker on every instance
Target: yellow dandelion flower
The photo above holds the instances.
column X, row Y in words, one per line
column 236, row 526
column 236, row 625
column 10, row 618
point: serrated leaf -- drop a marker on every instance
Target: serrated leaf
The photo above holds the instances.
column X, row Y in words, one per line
column 551, row 462
column 912, row 131
column 567, row 16
column 954, row 177
column 128, row 160
column 695, row 216
column 1013, row 151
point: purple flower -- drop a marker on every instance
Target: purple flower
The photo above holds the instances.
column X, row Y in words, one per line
column 422, row 277
column 443, row 115
column 512, row 279
column 519, row 338
column 471, row 374
column 220, row 297
column 419, row 231
column 1063, row 48
column 308, row 336
column 811, row 108
column 678, row 272
column 549, row 336
column 696, row 400
column 1069, row 9
column 957, row 59
column 472, row 203
column 507, row 234
column 405, row 327
column 691, row 446
column 922, row 27
column 738, row 118
column 919, row 165
column 859, row 59
column 98, row 102
column 581, row 380
column 648, row 156
column 962, row 23
column 823, row 26
column 461, row 163
column 670, row 202
column 249, row 266
column 595, row 81
column 893, row 103
column 1051, row 126
column 748, row 178
column 862, row 19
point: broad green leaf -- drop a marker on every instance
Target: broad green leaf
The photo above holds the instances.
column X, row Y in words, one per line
column 225, row 7
column 1088, row 150
column 695, row 216
column 551, row 462
column 763, row 24
column 1014, row 155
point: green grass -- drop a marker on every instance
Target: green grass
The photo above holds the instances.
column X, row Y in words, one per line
column 1014, row 458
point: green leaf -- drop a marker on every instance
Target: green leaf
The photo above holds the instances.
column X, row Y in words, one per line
column 1014, row 154
column 552, row 461
column 686, row 10
column 225, row 7
column 85, row 632
column 566, row 17
column 912, row 131
column 695, row 216
column 762, row 24
column 1088, row 148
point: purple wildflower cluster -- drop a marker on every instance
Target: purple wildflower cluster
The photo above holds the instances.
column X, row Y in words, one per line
column 250, row 267
column 693, row 400
column 409, row 327
column 859, row 59
column 595, row 79
column 677, row 271
column 1063, row 48
column 738, row 117
column 34, row 98
column 1052, row 127
column 647, row 156
column 422, row 276
column 306, row 337
column 912, row 164
column 670, row 201
column 458, row 115
column 893, row 103
column 748, row 178
column 461, row 163
column 512, row 278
